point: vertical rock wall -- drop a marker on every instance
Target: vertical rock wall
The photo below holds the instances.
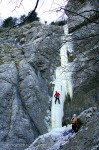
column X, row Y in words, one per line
column 28, row 58
column 83, row 24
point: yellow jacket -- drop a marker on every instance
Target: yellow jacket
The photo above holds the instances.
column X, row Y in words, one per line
column 74, row 120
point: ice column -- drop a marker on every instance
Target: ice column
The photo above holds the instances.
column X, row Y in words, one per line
column 63, row 82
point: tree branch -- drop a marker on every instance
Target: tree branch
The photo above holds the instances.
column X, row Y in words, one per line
column 30, row 13
column 79, row 14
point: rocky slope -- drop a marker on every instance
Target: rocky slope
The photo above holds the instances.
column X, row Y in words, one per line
column 28, row 58
column 87, row 138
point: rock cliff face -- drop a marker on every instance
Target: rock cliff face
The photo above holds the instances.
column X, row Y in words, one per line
column 28, row 58
column 83, row 24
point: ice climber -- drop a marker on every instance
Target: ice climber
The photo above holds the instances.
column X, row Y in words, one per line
column 57, row 95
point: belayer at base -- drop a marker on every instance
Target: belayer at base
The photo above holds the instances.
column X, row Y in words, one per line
column 74, row 123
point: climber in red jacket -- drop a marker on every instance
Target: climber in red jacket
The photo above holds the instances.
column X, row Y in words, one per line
column 57, row 95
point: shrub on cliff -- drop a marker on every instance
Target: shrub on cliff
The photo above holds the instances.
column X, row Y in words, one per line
column 59, row 23
column 32, row 17
column 9, row 22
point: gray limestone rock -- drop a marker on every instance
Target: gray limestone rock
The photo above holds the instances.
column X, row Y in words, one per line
column 28, row 58
column 87, row 137
column 83, row 24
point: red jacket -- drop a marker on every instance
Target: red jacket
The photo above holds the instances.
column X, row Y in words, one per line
column 56, row 94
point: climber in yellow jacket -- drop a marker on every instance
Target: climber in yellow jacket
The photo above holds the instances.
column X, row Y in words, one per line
column 74, row 123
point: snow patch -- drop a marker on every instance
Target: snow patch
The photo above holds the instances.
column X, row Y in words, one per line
column 56, row 136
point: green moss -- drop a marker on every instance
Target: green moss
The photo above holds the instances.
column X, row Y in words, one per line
column 7, row 51
column 2, row 61
column 17, row 62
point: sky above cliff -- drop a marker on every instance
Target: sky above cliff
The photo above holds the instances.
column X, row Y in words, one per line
column 47, row 9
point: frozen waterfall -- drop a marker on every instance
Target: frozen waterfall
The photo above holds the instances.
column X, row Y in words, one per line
column 62, row 82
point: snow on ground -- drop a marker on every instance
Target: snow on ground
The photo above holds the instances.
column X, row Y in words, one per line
column 59, row 136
